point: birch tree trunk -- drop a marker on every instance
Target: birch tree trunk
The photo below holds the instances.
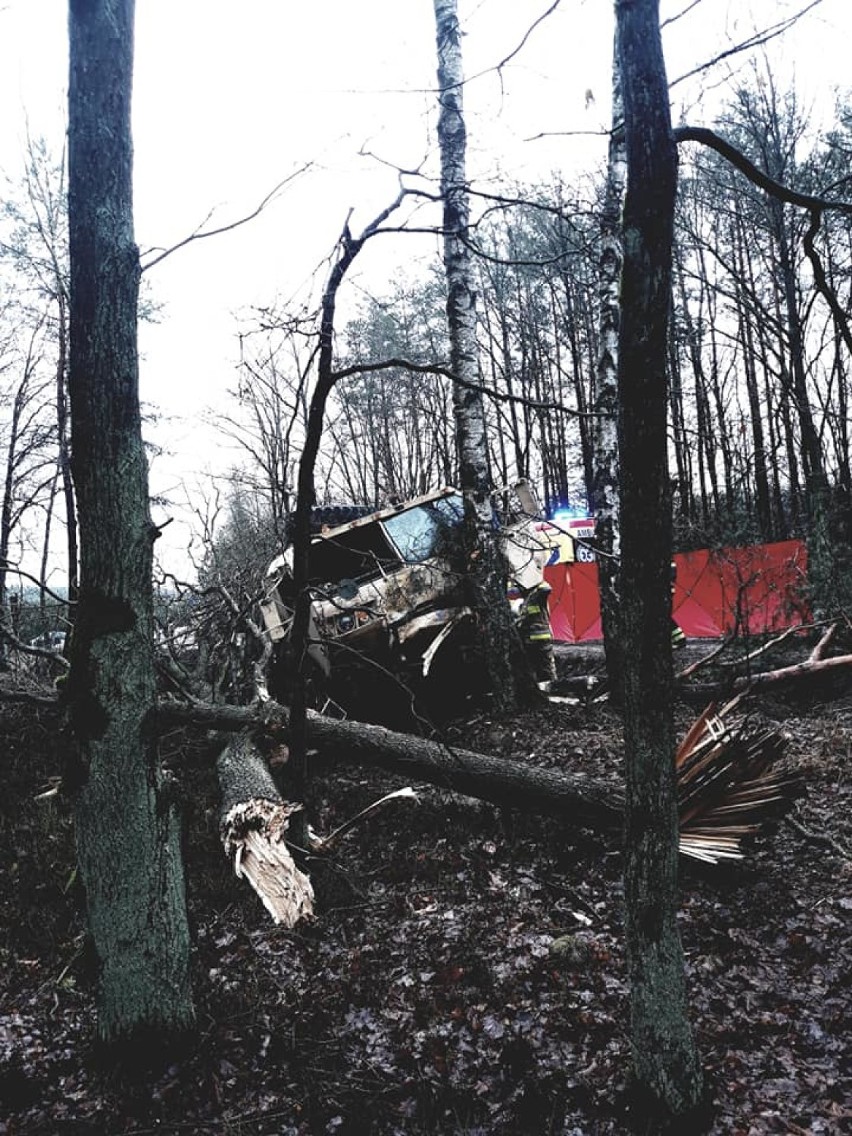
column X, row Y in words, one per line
column 665, row 1060
column 484, row 569
column 605, row 485
column 128, row 840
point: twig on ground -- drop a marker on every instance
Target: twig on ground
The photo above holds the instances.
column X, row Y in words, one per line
column 819, row 838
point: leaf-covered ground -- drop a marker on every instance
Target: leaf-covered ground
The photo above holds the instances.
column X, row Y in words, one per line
column 465, row 973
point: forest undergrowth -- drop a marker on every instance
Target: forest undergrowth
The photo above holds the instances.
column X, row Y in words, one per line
column 465, row 971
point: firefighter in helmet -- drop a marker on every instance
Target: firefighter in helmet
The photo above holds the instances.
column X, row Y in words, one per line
column 537, row 636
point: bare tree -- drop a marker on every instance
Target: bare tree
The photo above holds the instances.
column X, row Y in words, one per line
column 267, row 424
column 347, row 250
column 391, row 428
column 35, row 250
column 28, row 436
column 664, row 1055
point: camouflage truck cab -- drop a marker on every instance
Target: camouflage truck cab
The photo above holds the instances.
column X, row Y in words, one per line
column 387, row 588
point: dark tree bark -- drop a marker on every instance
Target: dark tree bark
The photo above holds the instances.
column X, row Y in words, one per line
column 664, row 1055
column 298, row 663
column 128, row 838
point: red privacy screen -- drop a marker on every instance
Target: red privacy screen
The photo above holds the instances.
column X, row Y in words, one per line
column 750, row 590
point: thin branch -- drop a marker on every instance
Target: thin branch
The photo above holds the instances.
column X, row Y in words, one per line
column 328, row 843
column 200, row 235
column 772, row 644
column 679, row 15
column 7, row 567
column 757, row 40
column 822, row 646
column 242, row 616
column 435, row 369
column 17, row 697
column 498, row 67
column 704, row 661
column 568, row 134
column 786, row 674
column 527, row 34
column 818, row 837
column 34, row 652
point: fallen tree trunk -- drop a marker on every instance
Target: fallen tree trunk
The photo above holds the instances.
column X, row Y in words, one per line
column 726, row 772
column 813, row 666
column 585, row 801
column 699, row 694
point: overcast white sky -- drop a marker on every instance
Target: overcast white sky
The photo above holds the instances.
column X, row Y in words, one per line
column 231, row 98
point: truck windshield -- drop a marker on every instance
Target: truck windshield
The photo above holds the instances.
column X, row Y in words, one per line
column 419, row 533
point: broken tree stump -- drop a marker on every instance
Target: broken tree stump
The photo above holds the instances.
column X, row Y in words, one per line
column 253, row 822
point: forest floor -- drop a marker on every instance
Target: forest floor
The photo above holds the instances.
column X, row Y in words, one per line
column 465, row 971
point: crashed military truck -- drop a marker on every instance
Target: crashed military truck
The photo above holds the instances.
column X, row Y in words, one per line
column 388, row 598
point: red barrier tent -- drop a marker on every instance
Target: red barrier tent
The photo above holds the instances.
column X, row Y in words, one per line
column 750, row 590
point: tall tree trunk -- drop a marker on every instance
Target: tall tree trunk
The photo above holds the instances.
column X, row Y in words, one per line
column 6, row 507
column 581, row 394
column 680, row 444
column 664, row 1055
column 298, row 661
column 811, row 450
column 820, row 550
column 773, row 398
column 749, row 354
column 706, row 445
column 128, row 839
column 486, row 574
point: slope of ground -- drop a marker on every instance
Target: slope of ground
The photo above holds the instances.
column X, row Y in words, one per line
column 465, row 973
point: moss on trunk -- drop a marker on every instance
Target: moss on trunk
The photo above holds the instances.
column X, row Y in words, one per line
column 127, row 827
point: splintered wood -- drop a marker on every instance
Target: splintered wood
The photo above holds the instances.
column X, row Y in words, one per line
column 253, row 824
column 253, row 834
column 727, row 786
